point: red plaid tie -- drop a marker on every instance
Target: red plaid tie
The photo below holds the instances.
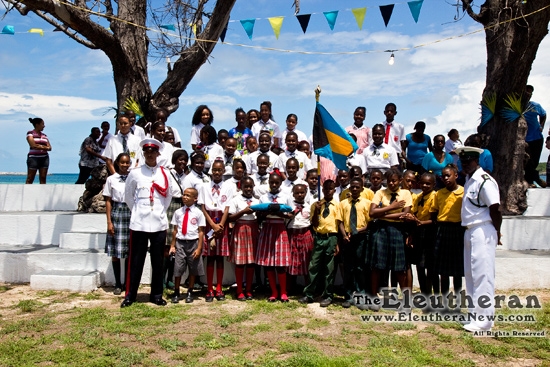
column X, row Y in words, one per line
column 216, row 189
column 184, row 223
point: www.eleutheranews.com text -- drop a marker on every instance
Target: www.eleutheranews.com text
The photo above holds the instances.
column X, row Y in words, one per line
column 438, row 317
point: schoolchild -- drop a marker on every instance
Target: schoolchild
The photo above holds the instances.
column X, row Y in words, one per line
column 158, row 131
column 251, row 147
column 118, row 218
column 376, row 179
column 423, row 235
column 312, row 179
column 267, row 124
column 223, row 135
column 387, row 250
column 240, row 132
column 353, row 217
column 322, row 267
column 187, row 243
column 230, row 154
column 356, row 159
column 123, row 142
column 264, row 142
column 449, row 240
column 379, row 154
column 196, row 177
column 203, row 116
column 273, row 246
column 292, row 169
column 291, row 122
column 232, row 186
column 244, row 237
column 356, row 172
column 342, row 181
column 177, row 175
column 261, row 177
column 299, row 234
column 291, row 152
column 215, row 207
column 212, row 150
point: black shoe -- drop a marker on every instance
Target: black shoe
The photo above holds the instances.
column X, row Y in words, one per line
column 209, row 296
column 189, row 298
column 346, row 304
column 158, row 301
column 325, row 302
column 175, row 298
column 305, row 300
column 117, row 291
column 126, row 303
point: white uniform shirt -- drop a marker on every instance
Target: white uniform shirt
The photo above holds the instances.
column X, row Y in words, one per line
column 253, row 161
column 177, row 138
column 301, row 219
column 138, row 132
column 303, row 161
column 301, row 136
column 212, row 196
column 270, row 126
column 397, row 135
column 177, row 181
column 359, row 160
column 195, row 219
column 196, row 133
column 212, row 152
column 228, row 161
column 114, row 188
column 239, row 203
column 104, row 144
column 261, row 184
column 287, row 186
column 489, row 195
column 230, row 188
column 279, row 198
column 164, row 159
column 114, row 148
column 147, row 215
column 194, row 180
column 313, row 195
column 382, row 156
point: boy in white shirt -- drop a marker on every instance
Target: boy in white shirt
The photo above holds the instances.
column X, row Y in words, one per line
column 291, row 152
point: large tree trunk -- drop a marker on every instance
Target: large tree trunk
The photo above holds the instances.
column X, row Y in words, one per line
column 512, row 36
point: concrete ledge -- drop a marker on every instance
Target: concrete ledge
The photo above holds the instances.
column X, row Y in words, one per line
column 82, row 240
column 525, row 233
column 63, row 280
column 522, row 269
column 538, row 203
column 17, row 197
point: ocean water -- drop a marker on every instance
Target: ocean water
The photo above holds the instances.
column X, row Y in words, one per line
column 54, row 178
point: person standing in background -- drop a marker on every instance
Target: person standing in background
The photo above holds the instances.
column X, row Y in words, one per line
column 37, row 158
column 535, row 116
column 90, row 154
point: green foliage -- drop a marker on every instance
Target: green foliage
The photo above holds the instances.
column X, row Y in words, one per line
column 29, row 305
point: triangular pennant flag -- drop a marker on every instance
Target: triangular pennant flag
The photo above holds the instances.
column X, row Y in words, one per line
column 170, row 27
column 304, row 21
column 276, row 24
column 331, row 18
column 359, row 14
column 248, row 25
column 415, row 7
column 8, row 29
column 386, row 11
column 194, row 29
column 224, row 32
column 37, row 30
column 57, row 29
column 330, row 140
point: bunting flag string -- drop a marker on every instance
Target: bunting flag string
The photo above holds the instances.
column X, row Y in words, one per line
column 276, row 24
column 331, row 18
column 248, row 25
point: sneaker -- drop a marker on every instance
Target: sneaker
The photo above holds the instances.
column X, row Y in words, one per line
column 189, row 298
column 220, row 296
column 305, row 300
column 209, row 296
column 117, row 291
column 325, row 302
column 241, row 297
column 175, row 298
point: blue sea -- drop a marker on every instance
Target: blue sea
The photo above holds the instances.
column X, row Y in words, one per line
column 54, row 178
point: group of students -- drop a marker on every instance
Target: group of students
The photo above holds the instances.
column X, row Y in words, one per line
column 355, row 222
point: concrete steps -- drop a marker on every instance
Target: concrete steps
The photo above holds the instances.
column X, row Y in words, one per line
column 65, row 280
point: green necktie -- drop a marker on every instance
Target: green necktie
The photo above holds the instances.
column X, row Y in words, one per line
column 353, row 218
column 326, row 211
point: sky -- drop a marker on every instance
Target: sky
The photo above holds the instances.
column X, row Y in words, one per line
column 71, row 87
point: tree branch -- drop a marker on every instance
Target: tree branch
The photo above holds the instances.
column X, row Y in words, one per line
column 63, row 28
column 482, row 17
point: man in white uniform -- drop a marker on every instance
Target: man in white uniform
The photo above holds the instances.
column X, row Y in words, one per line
column 482, row 219
column 148, row 194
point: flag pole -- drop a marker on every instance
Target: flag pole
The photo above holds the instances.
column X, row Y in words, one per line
column 317, row 95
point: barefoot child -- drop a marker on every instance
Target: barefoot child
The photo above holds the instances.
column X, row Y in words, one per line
column 244, row 238
column 187, row 239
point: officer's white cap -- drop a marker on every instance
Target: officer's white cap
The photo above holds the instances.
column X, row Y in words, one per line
column 150, row 143
column 472, row 152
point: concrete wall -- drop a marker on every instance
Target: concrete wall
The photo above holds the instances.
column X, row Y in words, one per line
column 27, row 198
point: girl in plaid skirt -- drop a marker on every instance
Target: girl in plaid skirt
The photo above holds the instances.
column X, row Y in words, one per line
column 118, row 218
column 449, row 239
column 244, row 237
column 273, row 246
column 299, row 234
column 215, row 206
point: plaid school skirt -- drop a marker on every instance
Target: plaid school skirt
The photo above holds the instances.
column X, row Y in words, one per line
column 117, row 245
column 273, row 246
column 243, row 242
column 386, row 250
column 175, row 204
column 422, row 253
column 301, row 247
column 222, row 243
column 449, row 249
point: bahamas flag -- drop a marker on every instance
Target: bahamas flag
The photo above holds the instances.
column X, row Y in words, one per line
column 330, row 140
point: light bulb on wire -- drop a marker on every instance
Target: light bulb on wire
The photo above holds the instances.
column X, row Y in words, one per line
column 391, row 61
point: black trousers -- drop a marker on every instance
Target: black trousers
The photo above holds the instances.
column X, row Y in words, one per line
column 534, row 150
column 138, row 252
column 84, row 174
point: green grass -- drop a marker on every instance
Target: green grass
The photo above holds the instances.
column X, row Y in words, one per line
column 29, row 305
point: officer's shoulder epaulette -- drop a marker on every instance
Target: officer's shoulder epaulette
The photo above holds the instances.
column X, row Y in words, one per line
column 485, row 176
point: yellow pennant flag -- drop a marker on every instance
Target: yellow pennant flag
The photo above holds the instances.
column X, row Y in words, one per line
column 37, row 30
column 359, row 14
column 276, row 24
column 194, row 28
